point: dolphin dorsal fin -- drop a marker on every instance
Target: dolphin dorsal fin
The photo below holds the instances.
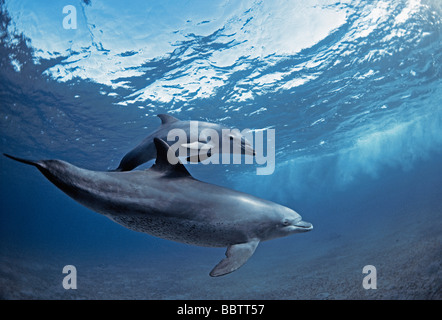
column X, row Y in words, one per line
column 165, row 118
column 162, row 161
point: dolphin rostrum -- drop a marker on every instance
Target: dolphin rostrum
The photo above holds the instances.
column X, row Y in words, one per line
column 196, row 141
column 167, row 202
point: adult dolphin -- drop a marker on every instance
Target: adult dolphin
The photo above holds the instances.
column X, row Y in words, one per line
column 167, row 202
column 195, row 141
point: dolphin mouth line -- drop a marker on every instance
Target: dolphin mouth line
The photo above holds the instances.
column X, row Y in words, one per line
column 304, row 225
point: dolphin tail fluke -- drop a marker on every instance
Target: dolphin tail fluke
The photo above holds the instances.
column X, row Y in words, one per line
column 30, row 162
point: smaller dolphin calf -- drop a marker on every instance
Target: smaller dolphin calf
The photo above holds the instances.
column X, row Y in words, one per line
column 167, row 202
column 146, row 151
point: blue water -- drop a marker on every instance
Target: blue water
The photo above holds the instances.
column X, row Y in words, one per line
column 353, row 90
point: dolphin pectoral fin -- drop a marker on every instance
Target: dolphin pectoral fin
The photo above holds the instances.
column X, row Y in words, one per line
column 199, row 157
column 197, row 145
column 199, row 151
column 236, row 256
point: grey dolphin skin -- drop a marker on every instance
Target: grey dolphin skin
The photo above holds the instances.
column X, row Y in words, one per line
column 167, row 202
column 146, row 150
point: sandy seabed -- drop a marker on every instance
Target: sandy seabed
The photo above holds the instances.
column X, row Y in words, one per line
column 405, row 248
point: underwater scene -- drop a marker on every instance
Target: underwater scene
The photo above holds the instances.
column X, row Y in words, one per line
column 334, row 109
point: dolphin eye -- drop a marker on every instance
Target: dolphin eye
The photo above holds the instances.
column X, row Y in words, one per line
column 285, row 222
